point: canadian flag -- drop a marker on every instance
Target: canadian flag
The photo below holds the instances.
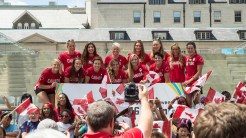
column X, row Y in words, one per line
column 103, row 88
column 153, row 78
column 164, row 126
column 240, row 91
column 198, row 83
column 186, row 112
column 121, row 88
column 118, row 103
column 90, row 97
column 26, row 108
column 214, row 97
column 151, row 93
column 80, row 106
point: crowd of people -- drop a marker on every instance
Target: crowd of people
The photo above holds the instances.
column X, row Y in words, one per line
column 89, row 67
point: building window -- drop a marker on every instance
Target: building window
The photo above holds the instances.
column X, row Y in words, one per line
column 26, row 26
column 197, row 1
column 197, row 16
column 19, row 26
column 217, row 16
column 237, row 1
column 242, row 34
column 117, row 35
column 203, row 35
column 33, row 26
column 162, row 35
column 157, row 17
column 156, row 2
column 136, row 16
column 176, row 16
column 238, row 17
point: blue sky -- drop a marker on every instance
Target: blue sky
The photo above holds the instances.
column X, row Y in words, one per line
column 70, row 3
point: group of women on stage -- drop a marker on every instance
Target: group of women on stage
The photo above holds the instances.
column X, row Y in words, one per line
column 89, row 67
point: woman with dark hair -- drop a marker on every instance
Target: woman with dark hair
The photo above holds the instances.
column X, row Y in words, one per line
column 116, row 55
column 74, row 73
column 96, row 73
column 89, row 53
column 138, row 49
column 136, row 72
column 177, row 64
column 157, row 46
column 160, row 67
column 64, row 103
column 194, row 64
column 116, row 75
column 47, row 82
column 47, row 111
column 66, row 58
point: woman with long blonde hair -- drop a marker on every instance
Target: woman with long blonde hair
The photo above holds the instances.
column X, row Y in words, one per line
column 136, row 72
column 115, row 75
column 177, row 64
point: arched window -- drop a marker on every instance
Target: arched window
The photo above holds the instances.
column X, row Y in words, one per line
column 26, row 26
column 19, row 26
column 33, row 26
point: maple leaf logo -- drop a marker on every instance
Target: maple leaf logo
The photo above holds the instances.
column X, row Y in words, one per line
column 119, row 101
column 152, row 76
column 80, row 110
column 156, row 126
column 190, row 115
column 217, row 100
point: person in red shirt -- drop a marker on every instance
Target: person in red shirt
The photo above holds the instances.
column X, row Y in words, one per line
column 160, row 67
column 136, row 72
column 194, row 65
column 116, row 55
column 89, row 53
column 177, row 64
column 47, row 111
column 157, row 46
column 100, row 119
column 74, row 73
column 115, row 75
column 47, row 82
column 138, row 49
column 96, row 73
column 66, row 58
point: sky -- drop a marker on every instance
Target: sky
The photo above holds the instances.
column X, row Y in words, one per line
column 70, row 3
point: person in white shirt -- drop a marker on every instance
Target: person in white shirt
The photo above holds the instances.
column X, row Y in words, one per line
column 66, row 123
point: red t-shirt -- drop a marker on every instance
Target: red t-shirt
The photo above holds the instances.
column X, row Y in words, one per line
column 67, row 59
column 152, row 60
column 140, row 73
column 131, row 133
column 177, row 73
column 47, row 78
column 161, row 71
column 59, row 117
column 89, row 62
column 118, row 78
column 122, row 60
column 144, row 62
column 95, row 77
column 67, row 74
column 191, row 66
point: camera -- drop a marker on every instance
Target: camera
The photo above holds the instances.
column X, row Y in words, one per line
column 131, row 92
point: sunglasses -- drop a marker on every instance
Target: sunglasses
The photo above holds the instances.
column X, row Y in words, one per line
column 66, row 116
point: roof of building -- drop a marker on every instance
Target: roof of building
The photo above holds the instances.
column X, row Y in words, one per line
column 48, row 18
column 177, row 34
column 120, row 1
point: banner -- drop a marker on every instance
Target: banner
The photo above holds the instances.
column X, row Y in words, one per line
column 165, row 92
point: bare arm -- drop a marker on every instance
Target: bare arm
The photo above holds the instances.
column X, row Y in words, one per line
column 87, row 79
column 145, row 122
column 167, row 77
column 196, row 76
column 8, row 104
column 12, row 134
column 162, row 114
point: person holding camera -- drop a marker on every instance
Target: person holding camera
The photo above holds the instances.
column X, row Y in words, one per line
column 100, row 119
